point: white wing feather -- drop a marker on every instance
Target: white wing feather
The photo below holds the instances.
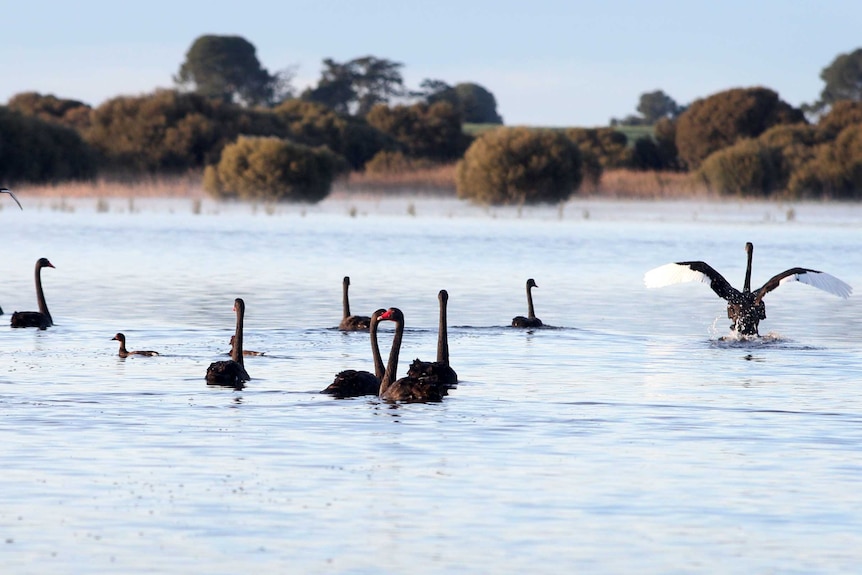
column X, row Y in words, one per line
column 673, row 274
column 821, row 280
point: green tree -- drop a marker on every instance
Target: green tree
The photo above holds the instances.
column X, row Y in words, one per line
column 227, row 68
column 355, row 87
column 273, row 169
column 843, row 78
column 519, row 166
column 722, row 119
column 654, row 106
column 433, row 91
column 477, row 104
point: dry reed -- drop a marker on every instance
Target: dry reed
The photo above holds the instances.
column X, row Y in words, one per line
column 631, row 184
column 186, row 186
column 437, row 181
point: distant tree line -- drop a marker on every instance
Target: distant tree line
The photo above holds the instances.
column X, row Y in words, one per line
column 256, row 138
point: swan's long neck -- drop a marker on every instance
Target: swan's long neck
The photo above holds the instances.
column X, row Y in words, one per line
column 379, row 368
column 345, row 301
column 531, row 312
column 236, row 354
column 40, row 295
column 746, row 287
column 443, row 332
column 392, row 367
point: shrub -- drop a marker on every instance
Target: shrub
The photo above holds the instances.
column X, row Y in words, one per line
column 834, row 168
column 258, row 168
column 664, row 132
column 71, row 113
column 315, row 124
column 841, row 115
column 723, row 119
column 519, row 166
column 422, row 131
column 610, row 146
column 32, row 150
column 168, row 131
column 747, row 168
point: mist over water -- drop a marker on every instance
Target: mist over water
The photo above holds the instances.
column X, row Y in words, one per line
column 633, row 433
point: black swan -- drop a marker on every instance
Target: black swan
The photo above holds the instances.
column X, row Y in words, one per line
column 437, row 371
column 231, row 372
column 745, row 308
column 42, row 318
column 8, row 191
column 408, row 388
column 351, row 322
column 531, row 320
column 245, row 351
column 354, row 383
column 126, row 353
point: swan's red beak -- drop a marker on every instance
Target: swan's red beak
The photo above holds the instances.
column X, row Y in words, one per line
column 386, row 314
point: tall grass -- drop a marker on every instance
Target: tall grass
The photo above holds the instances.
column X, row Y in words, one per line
column 439, row 180
column 436, row 181
column 185, row 186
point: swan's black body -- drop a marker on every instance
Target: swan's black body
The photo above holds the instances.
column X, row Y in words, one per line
column 355, row 383
column 406, row 389
column 231, row 373
column 42, row 318
column 746, row 307
column 531, row 320
column 437, row 371
column 351, row 322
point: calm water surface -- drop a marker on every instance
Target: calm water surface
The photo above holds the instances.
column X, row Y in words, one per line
column 629, row 438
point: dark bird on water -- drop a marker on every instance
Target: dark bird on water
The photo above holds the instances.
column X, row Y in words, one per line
column 245, row 352
column 437, row 371
column 406, row 389
column 42, row 318
column 231, row 372
column 8, row 191
column 355, row 383
column 126, row 353
column 746, row 307
column 531, row 320
column 351, row 322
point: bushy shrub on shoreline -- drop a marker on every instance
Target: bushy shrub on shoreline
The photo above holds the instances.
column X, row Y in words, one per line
column 514, row 166
column 268, row 168
column 748, row 168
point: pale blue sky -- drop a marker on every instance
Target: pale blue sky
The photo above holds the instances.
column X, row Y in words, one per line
column 547, row 62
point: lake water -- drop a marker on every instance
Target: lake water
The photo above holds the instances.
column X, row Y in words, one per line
column 629, row 438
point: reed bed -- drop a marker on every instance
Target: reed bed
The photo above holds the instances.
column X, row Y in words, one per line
column 437, row 181
column 185, row 186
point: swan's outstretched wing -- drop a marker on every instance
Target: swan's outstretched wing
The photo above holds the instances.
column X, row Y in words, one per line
column 821, row 280
column 8, row 191
column 689, row 272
